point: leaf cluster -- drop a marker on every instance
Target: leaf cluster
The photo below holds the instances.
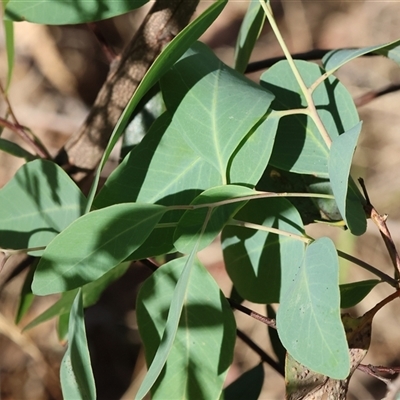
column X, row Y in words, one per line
column 253, row 163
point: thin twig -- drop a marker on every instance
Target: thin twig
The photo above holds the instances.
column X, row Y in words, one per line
column 18, row 129
column 372, row 95
column 265, row 320
column 105, row 46
column 263, row 355
column 373, row 371
column 151, row 264
column 316, row 54
column 380, row 222
column 386, row 278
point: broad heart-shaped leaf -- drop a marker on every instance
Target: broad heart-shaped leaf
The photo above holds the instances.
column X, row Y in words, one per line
column 171, row 53
column 93, row 245
column 337, row 58
column 249, row 32
column 248, row 386
column 63, row 12
column 214, row 106
column 36, row 205
column 250, row 159
column 299, row 146
column 352, row 293
column 301, row 383
column 162, row 169
column 260, row 262
column 203, row 347
column 347, row 200
column 190, row 225
column 90, row 294
column 308, row 318
column 76, row 374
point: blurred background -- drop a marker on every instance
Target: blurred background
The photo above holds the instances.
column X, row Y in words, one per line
column 58, row 72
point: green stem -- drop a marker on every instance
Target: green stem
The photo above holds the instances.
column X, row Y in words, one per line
column 305, row 239
column 276, row 231
column 257, row 195
column 18, row 251
column 312, row 111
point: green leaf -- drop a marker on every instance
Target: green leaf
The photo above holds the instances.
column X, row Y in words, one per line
column 93, row 245
column 352, row 293
column 248, row 386
column 149, row 109
column 91, row 292
column 9, row 34
column 337, row 58
column 203, row 346
column 38, row 203
column 63, row 326
column 64, row 12
column 248, row 34
column 308, row 319
column 15, row 150
column 190, row 225
column 62, row 306
column 280, row 181
column 162, row 169
column 251, row 157
column 299, row 146
column 227, row 105
column 165, row 340
column 76, row 375
column 347, row 199
column 26, row 297
column 256, row 260
column 171, row 53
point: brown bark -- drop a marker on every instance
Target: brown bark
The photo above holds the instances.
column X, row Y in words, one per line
column 84, row 149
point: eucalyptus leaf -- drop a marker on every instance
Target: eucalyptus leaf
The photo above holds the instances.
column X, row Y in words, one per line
column 299, row 146
column 337, row 58
column 62, row 306
column 9, row 34
column 308, row 319
column 249, row 32
column 190, row 225
column 66, row 12
column 162, row 169
column 203, row 347
column 76, row 374
column 170, row 54
column 347, row 200
column 165, row 342
column 39, row 202
column 252, row 156
column 227, row 105
column 93, row 245
column 26, row 297
column 15, row 150
column 91, row 292
column 260, row 262
column 352, row 293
